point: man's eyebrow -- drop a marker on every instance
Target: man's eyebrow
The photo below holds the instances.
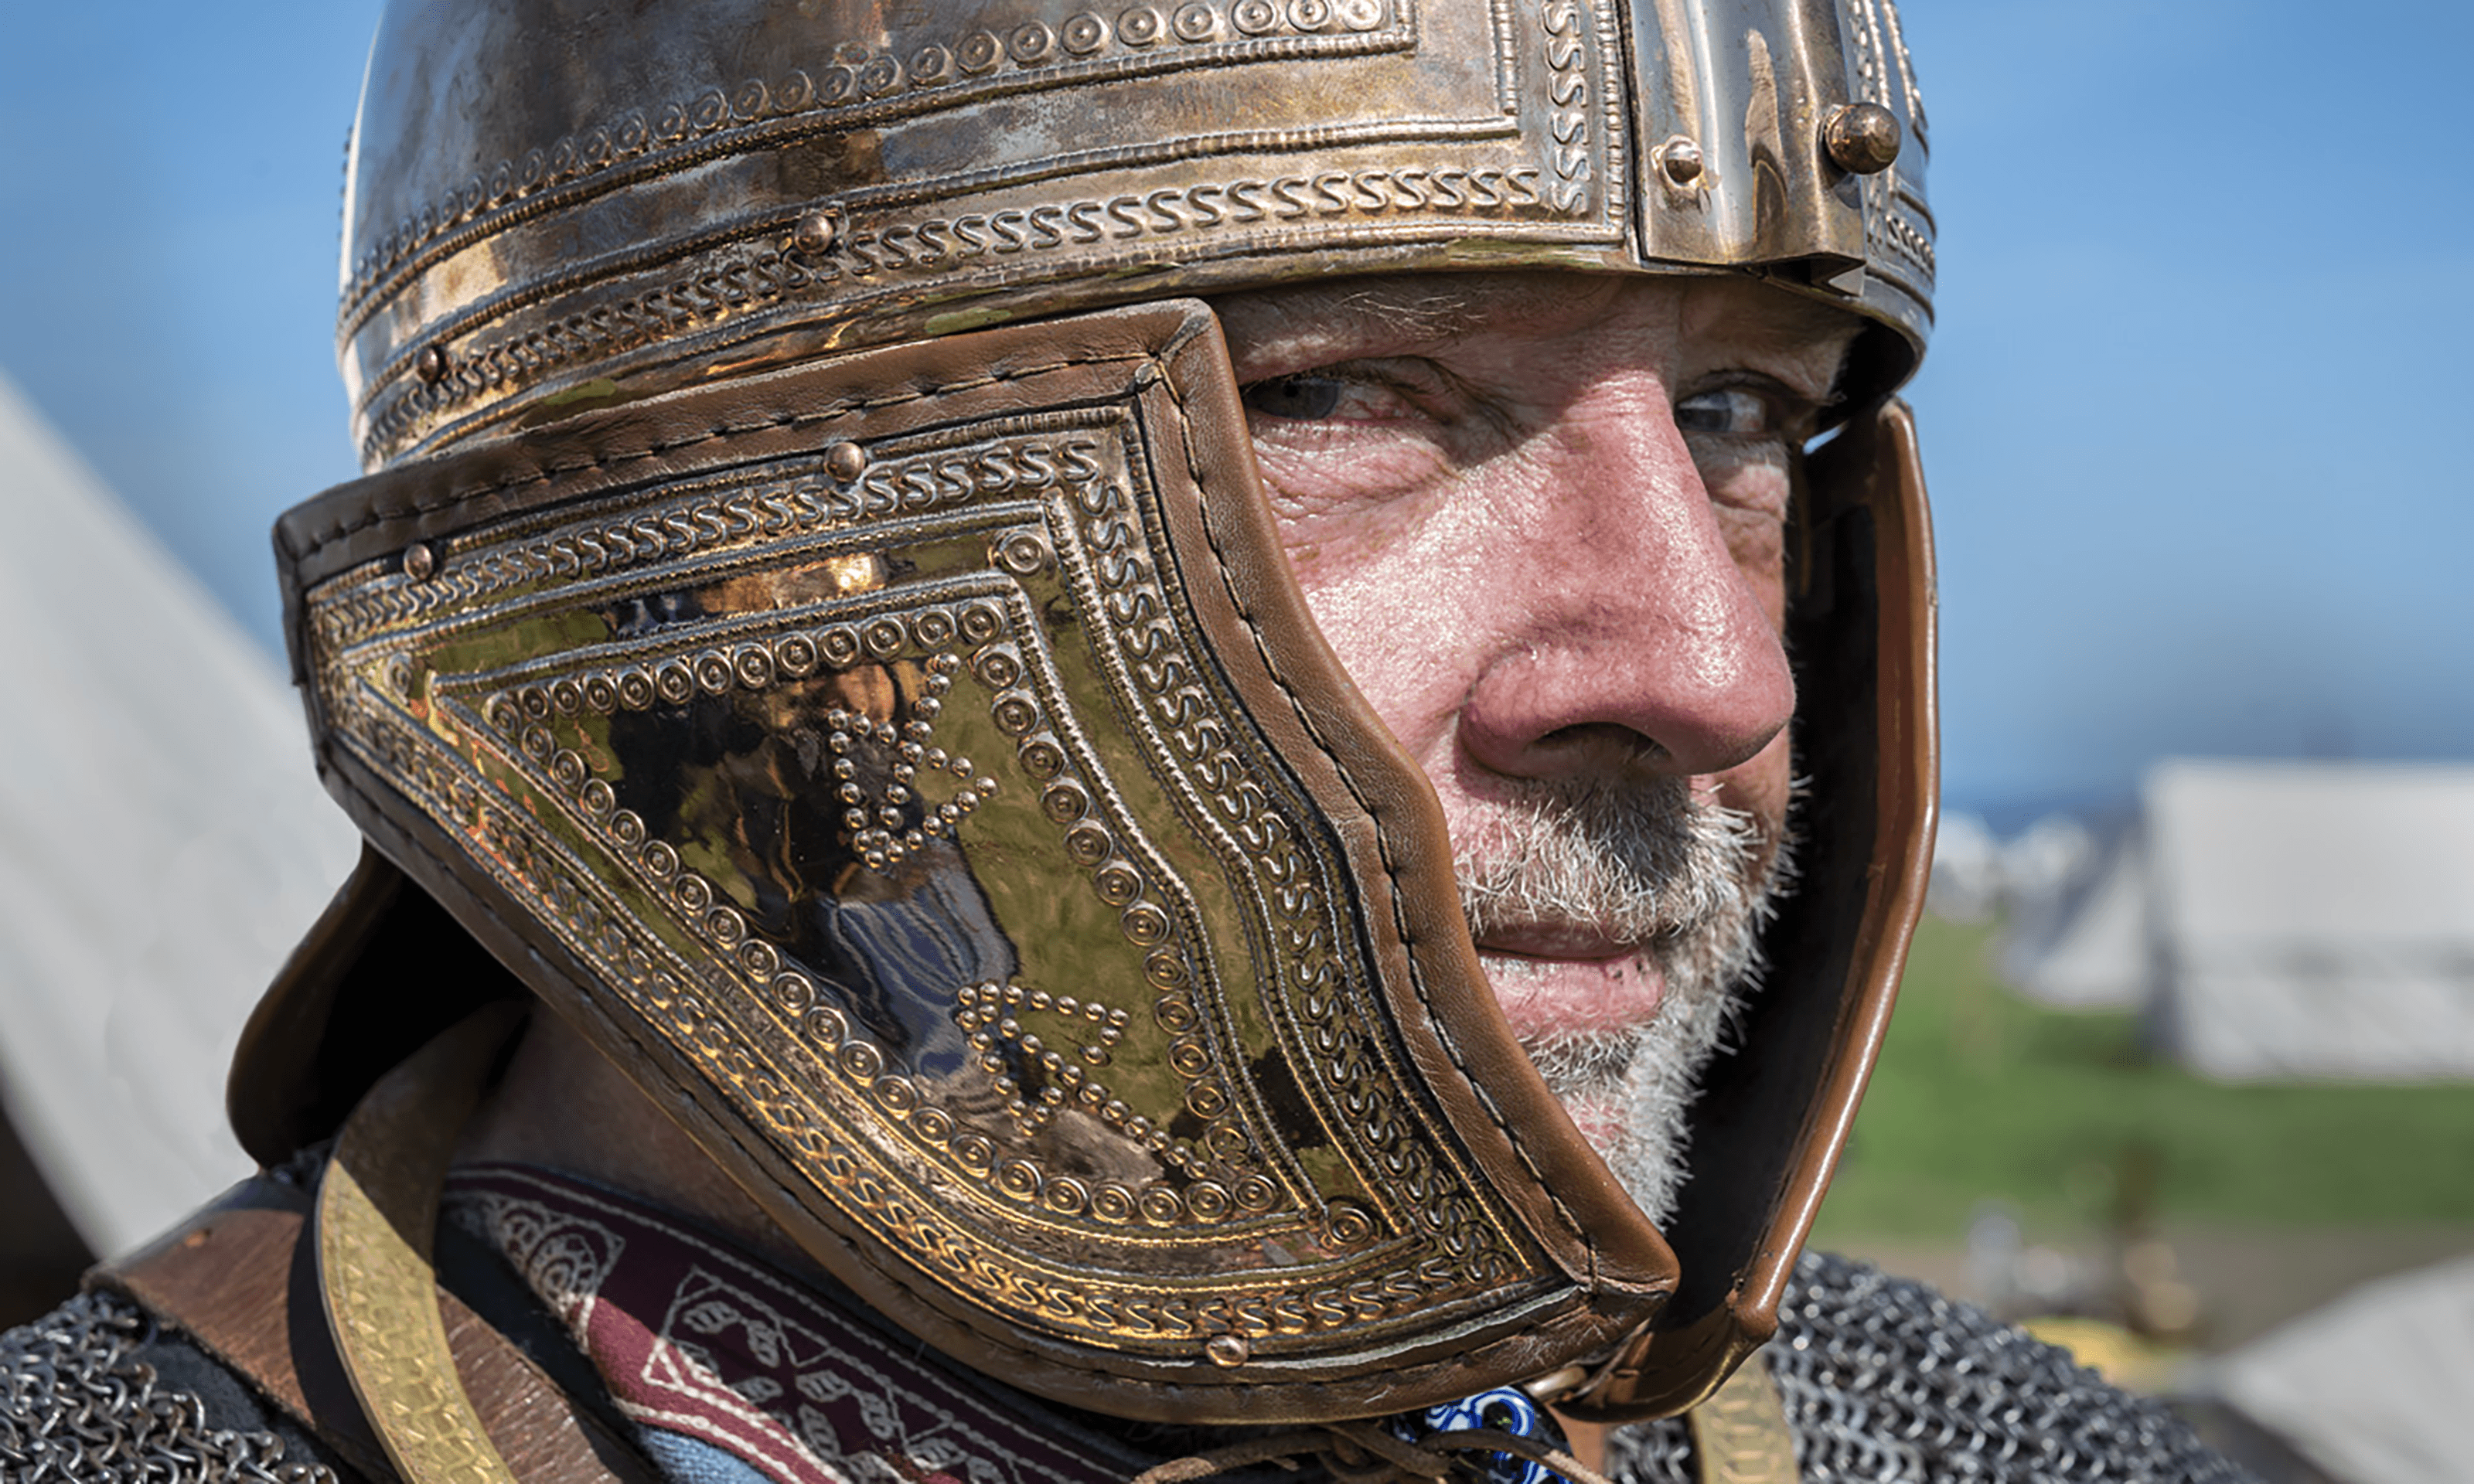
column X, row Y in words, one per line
column 1410, row 312
column 1423, row 313
column 1426, row 313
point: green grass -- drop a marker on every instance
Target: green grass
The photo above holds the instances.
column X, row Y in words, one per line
column 1981, row 1095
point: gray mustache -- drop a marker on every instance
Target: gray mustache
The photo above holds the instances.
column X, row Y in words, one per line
column 1692, row 883
column 1647, row 864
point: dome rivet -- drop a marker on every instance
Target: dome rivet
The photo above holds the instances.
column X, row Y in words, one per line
column 814, row 233
column 430, row 365
column 1681, row 158
column 1863, row 138
column 845, row 461
column 1227, row 1350
column 419, row 562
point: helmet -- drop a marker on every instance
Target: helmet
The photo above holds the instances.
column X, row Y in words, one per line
column 812, row 622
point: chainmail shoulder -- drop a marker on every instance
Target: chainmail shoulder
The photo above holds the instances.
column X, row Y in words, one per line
column 1886, row 1381
column 80, row 1403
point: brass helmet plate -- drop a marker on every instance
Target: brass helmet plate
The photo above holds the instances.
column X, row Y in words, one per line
column 690, row 191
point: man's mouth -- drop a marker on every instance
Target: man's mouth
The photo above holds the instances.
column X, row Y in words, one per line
column 1558, row 981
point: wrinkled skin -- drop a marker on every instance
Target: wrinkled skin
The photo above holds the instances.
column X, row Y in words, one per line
column 1541, row 520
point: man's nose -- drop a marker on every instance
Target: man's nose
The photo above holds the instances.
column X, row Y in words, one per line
column 1629, row 635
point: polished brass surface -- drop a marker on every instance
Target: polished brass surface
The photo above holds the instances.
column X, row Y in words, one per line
column 691, row 192
column 974, row 846
column 1862, row 138
column 377, row 1207
column 1741, row 1435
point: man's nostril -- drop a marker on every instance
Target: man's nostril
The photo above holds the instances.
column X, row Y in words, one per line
column 1606, row 744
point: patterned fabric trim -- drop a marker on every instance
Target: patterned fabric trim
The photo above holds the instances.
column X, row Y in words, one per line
column 1888, row 1383
column 1884, row 1380
column 76, row 1408
column 698, row 1339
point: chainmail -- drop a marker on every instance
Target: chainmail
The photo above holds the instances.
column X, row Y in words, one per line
column 1886, row 1381
column 77, row 1408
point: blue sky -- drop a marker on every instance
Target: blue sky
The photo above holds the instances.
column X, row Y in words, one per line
column 2192, row 415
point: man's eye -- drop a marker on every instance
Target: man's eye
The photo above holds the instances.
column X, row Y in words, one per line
column 1301, row 397
column 1729, row 411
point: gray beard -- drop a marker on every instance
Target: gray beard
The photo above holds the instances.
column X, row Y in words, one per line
column 1694, row 880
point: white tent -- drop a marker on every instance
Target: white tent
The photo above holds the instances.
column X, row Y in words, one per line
column 2283, row 920
column 163, row 844
column 2372, row 1387
column 2070, row 896
column 2315, row 919
column 2090, row 948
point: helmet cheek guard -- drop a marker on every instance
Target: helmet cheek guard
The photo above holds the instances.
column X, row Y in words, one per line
column 921, row 774
column 1771, row 1119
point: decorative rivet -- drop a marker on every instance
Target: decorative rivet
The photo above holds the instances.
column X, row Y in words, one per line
column 1862, row 137
column 430, row 365
column 419, row 562
column 814, row 233
column 1227, row 1350
column 845, row 461
column 1681, row 158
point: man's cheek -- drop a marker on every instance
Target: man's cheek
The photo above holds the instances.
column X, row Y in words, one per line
column 1757, row 542
column 1337, row 536
column 1762, row 784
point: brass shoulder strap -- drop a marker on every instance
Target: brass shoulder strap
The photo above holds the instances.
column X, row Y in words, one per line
column 240, row 1278
column 408, row 1347
column 1740, row 1434
column 378, row 1211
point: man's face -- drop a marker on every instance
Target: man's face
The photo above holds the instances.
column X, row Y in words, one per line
column 1541, row 520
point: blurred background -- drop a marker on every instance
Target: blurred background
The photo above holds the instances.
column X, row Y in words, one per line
column 2185, row 1073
